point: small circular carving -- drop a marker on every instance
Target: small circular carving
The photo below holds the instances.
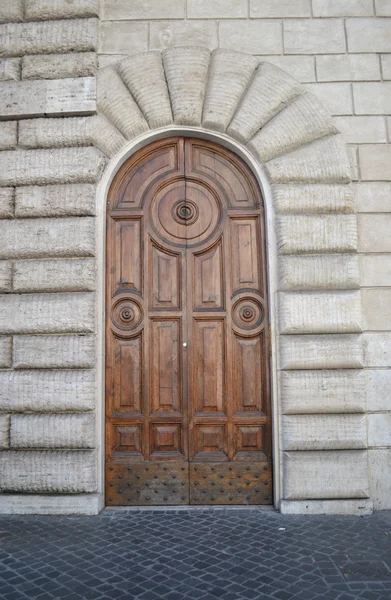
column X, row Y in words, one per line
column 185, row 212
column 126, row 314
column 248, row 314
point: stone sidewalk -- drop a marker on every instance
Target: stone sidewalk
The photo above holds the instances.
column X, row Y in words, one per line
column 240, row 554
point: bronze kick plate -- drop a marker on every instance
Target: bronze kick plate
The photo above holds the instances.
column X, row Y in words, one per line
column 147, row 484
column 231, row 483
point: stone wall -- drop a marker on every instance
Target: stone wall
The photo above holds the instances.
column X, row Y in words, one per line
column 53, row 151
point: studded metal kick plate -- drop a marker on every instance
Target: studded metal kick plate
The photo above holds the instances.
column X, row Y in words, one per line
column 147, row 484
column 231, row 483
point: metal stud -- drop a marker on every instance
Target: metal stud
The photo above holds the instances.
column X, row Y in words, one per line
column 119, row 476
column 195, row 468
column 156, row 477
column 111, row 468
column 165, row 498
column 111, row 499
column 174, row 476
column 247, row 468
column 111, row 484
column 129, row 468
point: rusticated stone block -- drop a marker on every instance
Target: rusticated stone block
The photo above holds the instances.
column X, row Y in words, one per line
column 5, row 352
column 76, row 275
column 104, row 135
column 62, row 97
column 144, row 75
column 38, row 10
column 4, row 431
column 47, row 313
column 321, row 432
column 317, row 271
column 270, row 90
column 253, row 36
column 322, row 392
column 9, row 69
column 53, row 133
column 326, row 474
column 116, row 10
column 311, row 234
column 59, row 66
column 46, row 471
column 302, row 122
column 53, row 352
column 11, row 10
column 314, row 36
column 55, row 200
column 5, row 276
column 186, row 72
column 50, row 504
column 165, row 34
column 6, row 202
column 378, row 384
column 294, row 199
column 349, row 507
column 311, row 312
column 8, row 135
column 42, row 167
column 376, row 309
column 47, row 391
column 379, row 465
column 75, row 35
column 47, row 237
column 229, row 75
column 53, row 431
column 323, row 161
column 377, row 349
column 321, row 352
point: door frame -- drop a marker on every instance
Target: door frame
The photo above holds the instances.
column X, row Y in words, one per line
column 272, row 283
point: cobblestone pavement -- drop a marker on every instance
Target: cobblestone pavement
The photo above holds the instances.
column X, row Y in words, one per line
column 202, row 554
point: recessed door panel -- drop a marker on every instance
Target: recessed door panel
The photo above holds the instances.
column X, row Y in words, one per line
column 166, row 389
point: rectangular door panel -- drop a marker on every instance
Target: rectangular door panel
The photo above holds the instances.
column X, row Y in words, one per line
column 166, row 441
column 210, row 442
column 208, row 366
column 126, row 440
column 166, row 281
column 127, row 375
column 244, row 254
column 209, row 279
column 128, row 256
column 248, row 441
column 247, row 374
column 165, row 366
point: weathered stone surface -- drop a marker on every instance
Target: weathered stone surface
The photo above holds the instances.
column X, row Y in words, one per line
column 329, row 272
column 47, row 391
column 373, row 197
column 310, row 312
column 104, row 135
column 114, row 10
column 323, row 161
column 375, row 161
column 372, row 98
column 6, row 202
column 9, row 69
column 337, row 97
column 374, row 232
column 124, row 38
column 377, row 309
column 47, row 313
column 379, row 430
column 378, row 385
column 144, row 75
column 42, row 167
column 375, row 270
column 75, row 35
column 270, row 90
column 116, row 103
column 322, row 392
column 4, row 431
column 76, row 275
column 326, row 507
column 301, row 122
column 348, row 67
column 321, row 432
column 252, row 36
column 186, row 72
column 38, row 10
column 52, row 504
column 5, row 276
column 55, row 200
column 383, row 8
column 352, row 152
column 229, row 75
column 327, row 474
column 5, row 351
column 347, row 8
column 369, row 35
column 310, row 234
column 362, row 130
column 54, row 133
column 8, row 135
column 166, row 34
column 300, row 67
column 53, row 352
column 380, row 484
column 11, row 10
column 59, row 66
column 321, row 352
column 47, row 237
column 46, row 471
column 268, row 9
column 314, row 36
column 218, row 9
column 386, row 66
column 377, row 349
column 294, row 199
column 53, row 431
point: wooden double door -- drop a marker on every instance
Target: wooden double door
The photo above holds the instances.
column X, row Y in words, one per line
column 187, row 359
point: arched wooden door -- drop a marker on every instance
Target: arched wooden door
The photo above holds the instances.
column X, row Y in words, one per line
column 187, row 360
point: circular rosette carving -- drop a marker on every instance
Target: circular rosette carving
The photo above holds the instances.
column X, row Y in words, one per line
column 248, row 314
column 126, row 315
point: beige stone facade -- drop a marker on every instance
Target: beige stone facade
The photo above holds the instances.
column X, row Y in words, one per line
column 261, row 77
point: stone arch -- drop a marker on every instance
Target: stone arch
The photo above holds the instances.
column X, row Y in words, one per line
column 291, row 136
